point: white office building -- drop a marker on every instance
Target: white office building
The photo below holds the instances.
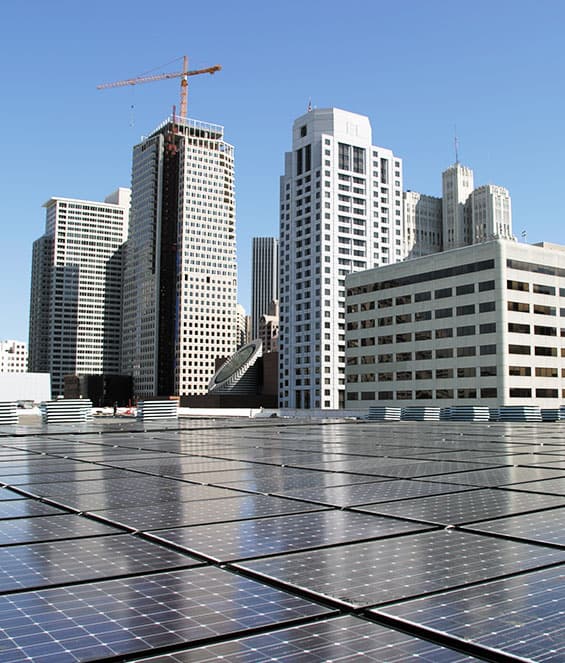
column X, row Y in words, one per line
column 423, row 232
column 264, row 279
column 76, row 286
column 479, row 325
column 180, row 283
column 340, row 212
column 13, row 357
column 491, row 213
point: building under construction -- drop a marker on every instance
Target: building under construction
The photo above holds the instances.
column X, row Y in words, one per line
column 180, row 288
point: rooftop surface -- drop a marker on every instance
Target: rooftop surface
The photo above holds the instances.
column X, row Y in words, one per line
column 282, row 540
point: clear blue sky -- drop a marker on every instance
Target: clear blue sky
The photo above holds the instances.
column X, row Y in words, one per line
column 417, row 68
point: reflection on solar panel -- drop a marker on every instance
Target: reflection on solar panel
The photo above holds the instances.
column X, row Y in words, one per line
column 466, row 507
column 345, row 639
column 50, row 528
column 449, row 532
column 521, row 616
column 363, row 574
column 269, row 536
column 44, row 564
column 136, row 614
column 546, row 527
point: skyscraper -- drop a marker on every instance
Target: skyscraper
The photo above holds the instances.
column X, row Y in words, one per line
column 264, row 279
column 180, row 276
column 340, row 212
column 75, row 306
column 457, row 183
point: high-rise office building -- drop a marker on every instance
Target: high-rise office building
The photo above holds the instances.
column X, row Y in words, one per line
column 75, row 307
column 340, row 212
column 264, row 279
column 13, row 357
column 180, row 278
column 491, row 213
column 422, row 224
column 457, row 185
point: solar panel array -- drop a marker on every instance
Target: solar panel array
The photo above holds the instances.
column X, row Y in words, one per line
column 282, row 540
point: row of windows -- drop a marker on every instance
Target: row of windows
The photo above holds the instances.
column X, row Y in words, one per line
column 422, row 355
column 425, row 335
column 428, row 394
column 448, row 272
column 426, row 374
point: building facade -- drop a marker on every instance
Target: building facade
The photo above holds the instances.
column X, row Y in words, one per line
column 76, row 288
column 340, row 212
column 423, row 232
column 269, row 328
column 480, row 325
column 13, row 357
column 180, row 279
column 264, row 278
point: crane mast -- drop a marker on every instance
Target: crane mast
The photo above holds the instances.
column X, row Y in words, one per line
column 183, row 75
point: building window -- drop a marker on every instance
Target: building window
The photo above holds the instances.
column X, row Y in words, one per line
column 544, row 310
column 467, row 351
column 487, row 328
column 543, row 289
column 546, row 393
column 469, row 309
column 444, row 393
column 486, row 285
column 422, row 355
column 488, row 371
column 468, row 330
column 486, row 307
column 404, row 395
column 446, row 332
column 546, row 372
column 424, row 375
column 520, row 392
column 488, row 349
column 385, row 395
column 466, row 393
column 519, row 307
column 442, row 293
column 422, row 315
column 466, row 289
column 425, row 335
column 522, row 371
column 444, row 373
column 519, row 349
column 518, row 285
column 444, row 353
column 489, row 392
column 469, row 372
column 545, row 351
column 545, row 331
column 444, row 313
column 424, row 394
column 422, row 296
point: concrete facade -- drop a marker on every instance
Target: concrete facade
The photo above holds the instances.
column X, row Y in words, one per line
column 180, row 282
column 340, row 212
column 264, row 278
column 479, row 325
column 76, row 288
column 13, row 356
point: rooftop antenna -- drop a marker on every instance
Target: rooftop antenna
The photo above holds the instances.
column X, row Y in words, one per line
column 456, row 144
column 309, row 109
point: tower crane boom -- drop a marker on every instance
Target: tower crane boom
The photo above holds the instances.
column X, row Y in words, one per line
column 183, row 75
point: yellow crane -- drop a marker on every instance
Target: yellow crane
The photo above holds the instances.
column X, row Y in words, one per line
column 183, row 75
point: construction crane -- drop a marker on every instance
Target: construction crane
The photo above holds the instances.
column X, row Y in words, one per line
column 183, row 75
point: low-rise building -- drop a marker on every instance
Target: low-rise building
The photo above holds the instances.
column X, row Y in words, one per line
column 13, row 357
column 476, row 325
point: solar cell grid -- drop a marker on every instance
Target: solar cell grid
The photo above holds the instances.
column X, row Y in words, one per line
column 50, row 528
column 177, row 514
column 26, row 508
column 467, row 506
column 521, row 616
column 540, row 527
column 501, row 476
column 344, row 639
column 378, row 491
column 369, row 573
column 270, row 536
column 42, row 564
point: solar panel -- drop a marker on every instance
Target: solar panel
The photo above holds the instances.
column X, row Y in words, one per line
column 7, row 494
column 50, row 528
column 540, row 527
column 42, row 564
column 363, row 574
column 270, row 536
column 26, row 508
column 343, row 639
column 467, row 506
column 548, row 486
column 368, row 493
column 177, row 514
column 119, row 617
column 521, row 616
column 502, row 476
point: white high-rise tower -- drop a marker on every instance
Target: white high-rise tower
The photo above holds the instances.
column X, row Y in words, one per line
column 76, row 288
column 340, row 212
column 180, row 283
column 457, row 183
